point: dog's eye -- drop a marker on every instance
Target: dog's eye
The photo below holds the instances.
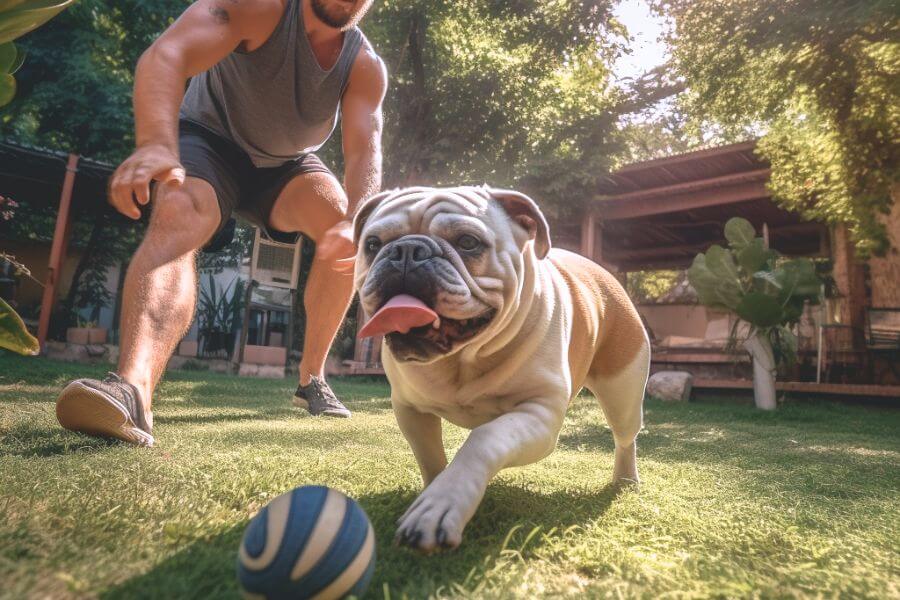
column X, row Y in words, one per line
column 468, row 242
column 373, row 245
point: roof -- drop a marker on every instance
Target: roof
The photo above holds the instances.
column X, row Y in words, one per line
column 680, row 168
column 660, row 213
column 35, row 175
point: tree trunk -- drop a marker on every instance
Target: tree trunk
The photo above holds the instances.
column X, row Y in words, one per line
column 760, row 349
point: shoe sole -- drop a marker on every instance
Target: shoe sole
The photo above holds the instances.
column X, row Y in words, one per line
column 87, row 410
column 303, row 403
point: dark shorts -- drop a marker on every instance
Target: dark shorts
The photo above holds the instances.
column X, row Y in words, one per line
column 241, row 187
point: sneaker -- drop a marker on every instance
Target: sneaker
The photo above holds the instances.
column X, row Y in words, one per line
column 108, row 408
column 318, row 399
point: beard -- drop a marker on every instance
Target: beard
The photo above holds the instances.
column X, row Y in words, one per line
column 338, row 18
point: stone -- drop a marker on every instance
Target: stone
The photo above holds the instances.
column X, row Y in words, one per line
column 266, row 371
column 247, row 370
column 671, row 386
column 96, row 351
column 270, row 371
column 76, row 353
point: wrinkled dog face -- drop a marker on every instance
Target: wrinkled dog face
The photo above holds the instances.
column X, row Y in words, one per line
column 458, row 250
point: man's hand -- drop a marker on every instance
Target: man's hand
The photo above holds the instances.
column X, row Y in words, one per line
column 337, row 247
column 131, row 181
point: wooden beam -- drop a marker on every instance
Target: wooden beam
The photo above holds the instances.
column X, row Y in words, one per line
column 667, row 264
column 613, row 209
column 631, row 256
column 588, row 227
column 57, row 250
column 737, row 148
column 690, row 186
column 661, row 251
column 843, row 389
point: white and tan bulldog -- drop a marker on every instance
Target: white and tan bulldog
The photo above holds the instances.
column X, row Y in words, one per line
column 487, row 327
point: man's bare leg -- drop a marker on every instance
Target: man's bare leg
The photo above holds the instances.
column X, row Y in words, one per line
column 157, row 308
column 313, row 203
column 160, row 291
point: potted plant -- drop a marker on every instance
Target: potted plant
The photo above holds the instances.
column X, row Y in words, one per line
column 86, row 332
column 219, row 315
column 765, row 291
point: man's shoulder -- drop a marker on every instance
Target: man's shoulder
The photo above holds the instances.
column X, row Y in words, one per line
column 368, row 68
column 257, row 13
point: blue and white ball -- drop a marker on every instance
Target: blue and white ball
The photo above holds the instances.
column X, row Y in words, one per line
column 311, row 542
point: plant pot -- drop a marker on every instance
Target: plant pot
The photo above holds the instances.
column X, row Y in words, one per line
column 215, row 341
column 265, row 355
column 187, row 348
column 86, row 335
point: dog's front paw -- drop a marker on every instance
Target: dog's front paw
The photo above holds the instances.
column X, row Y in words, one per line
column 437, row 518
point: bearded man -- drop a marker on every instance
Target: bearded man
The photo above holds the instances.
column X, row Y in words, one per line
column 268, row 80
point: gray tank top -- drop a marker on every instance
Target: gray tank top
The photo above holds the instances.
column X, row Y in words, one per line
column 276, row 103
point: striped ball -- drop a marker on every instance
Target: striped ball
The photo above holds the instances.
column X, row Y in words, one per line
column 311, row 542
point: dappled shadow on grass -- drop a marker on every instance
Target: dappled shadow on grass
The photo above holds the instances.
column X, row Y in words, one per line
column 507, row 511
column 38, row 442
column 269, row 399
column 205, row 568
column 821, row 449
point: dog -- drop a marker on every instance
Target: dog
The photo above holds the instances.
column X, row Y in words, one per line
column 489, row 328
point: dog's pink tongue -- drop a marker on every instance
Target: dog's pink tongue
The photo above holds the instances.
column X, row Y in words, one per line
column 400, row 314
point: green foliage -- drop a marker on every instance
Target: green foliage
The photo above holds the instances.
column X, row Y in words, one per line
column 512, row 93
column 221, row 311
column 650, row 286
column 756, row 284
column 821, row 78
column 18, row 17
column 75, row 90
column 480, row 91
column 13, row 333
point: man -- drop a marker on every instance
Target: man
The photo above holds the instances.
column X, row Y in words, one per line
column 269, row 78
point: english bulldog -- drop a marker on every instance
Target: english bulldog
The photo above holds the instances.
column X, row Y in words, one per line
column 487, row 327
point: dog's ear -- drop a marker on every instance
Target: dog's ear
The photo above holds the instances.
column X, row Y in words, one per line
column 365, row 211
column 524, row 211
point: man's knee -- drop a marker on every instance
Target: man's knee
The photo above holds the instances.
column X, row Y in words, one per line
column 185, row 214
column 311, row 203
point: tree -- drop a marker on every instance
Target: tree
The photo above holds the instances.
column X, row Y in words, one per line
column 821, row 78
column 512, row 93
column 75, row 90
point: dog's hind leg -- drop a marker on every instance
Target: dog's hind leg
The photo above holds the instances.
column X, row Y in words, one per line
column 621, row 397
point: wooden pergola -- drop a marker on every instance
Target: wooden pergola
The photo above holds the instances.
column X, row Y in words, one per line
column 71, row 184
column 660, row 213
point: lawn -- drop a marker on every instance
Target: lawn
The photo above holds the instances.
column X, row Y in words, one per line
column 734, row 502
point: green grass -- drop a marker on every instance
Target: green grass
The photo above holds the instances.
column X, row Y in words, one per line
column 734, row 502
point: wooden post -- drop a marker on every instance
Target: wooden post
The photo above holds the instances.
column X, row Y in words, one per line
column 597, row 256
column 850, row 279
column 588, row 229
column 57, row 250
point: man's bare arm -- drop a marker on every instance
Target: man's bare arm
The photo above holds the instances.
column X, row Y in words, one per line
column 204, row 34
column 361, row 122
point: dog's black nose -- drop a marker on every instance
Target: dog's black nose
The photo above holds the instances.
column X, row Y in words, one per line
column 407, row 254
